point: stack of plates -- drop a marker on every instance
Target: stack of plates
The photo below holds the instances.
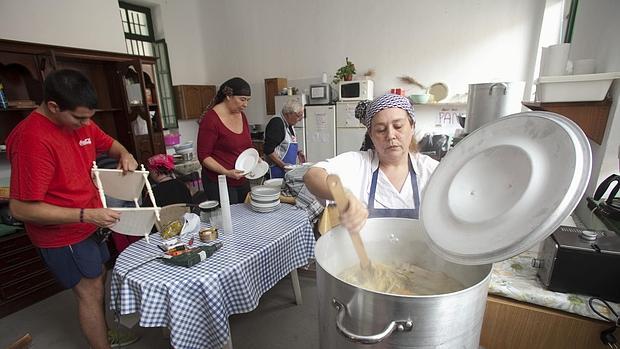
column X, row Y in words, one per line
column 265, row 199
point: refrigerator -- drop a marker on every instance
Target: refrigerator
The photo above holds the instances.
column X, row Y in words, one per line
column 299, row 127
column 349, row 130
column 320, row 132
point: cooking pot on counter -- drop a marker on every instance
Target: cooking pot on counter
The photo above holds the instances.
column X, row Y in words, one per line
column 499, row 191
column 489, row 101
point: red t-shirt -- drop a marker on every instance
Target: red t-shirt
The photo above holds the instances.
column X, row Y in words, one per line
column 223, row 145
column 52, row 164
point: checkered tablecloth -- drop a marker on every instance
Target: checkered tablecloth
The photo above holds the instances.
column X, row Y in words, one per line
column 195, row 303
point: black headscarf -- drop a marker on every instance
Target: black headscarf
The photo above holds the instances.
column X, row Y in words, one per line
column 231, row 87
column 236, row 87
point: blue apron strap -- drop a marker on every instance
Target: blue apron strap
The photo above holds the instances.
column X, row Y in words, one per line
column 414, row 187
column 373, row 189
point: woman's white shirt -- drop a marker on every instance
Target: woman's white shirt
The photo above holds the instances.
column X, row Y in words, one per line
column 355, row 170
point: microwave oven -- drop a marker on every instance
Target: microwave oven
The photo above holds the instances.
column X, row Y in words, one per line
column 357, row 90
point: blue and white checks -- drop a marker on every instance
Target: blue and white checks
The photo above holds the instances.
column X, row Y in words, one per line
column 195, row 303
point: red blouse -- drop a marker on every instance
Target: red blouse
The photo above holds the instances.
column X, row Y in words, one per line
column 217, row 141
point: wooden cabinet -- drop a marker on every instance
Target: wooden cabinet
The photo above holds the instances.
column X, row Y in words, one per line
column 24, row 278
column 509, row 324
column 193, row 100
column 128, row 109
column 273, row 87
column 590, row 116
column 126, row 86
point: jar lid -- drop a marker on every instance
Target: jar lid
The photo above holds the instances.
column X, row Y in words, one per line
column 506, row 186
column 210, row 205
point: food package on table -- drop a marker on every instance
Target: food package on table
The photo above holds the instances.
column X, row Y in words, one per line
column 171, row 229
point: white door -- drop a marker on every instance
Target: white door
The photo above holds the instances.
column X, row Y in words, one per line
column 345, row 115
column 349, row 139
column 320, row 137
column 300, row 133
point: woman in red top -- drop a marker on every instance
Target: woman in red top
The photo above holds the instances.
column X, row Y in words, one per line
column 223, row 135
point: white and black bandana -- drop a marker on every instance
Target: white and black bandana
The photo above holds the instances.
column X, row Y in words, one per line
column 366, row 110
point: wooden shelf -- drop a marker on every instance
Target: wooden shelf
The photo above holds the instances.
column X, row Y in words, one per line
column 108, row 110
column 441, row 104
column 590, row 116
column 20, row 108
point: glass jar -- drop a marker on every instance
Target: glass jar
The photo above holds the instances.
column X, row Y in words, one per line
column 210, row 213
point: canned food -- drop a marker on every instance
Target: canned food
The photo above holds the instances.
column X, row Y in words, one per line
column 208, row 234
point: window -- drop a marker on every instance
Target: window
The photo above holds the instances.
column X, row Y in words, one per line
column 140, row 40
column 138, row 28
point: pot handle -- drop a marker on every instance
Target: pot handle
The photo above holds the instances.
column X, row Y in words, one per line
column 495, row 85
column 396, row 325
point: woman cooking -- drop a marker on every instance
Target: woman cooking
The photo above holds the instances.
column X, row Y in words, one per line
column 387, row 177
column 223, row 135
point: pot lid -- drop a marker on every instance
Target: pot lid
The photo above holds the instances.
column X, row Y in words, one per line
column 505, row 186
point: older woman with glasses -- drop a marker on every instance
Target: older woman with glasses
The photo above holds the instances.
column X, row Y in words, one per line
column 280, row 139
column 387, row 177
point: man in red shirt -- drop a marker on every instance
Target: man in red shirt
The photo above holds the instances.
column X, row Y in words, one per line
column 51, row 154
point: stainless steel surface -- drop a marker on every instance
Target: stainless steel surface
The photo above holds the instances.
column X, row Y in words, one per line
column 489, row 101
column 187, row 156
column 505, row 187
column 452, row 320
column 547, row 257
column 398, row 325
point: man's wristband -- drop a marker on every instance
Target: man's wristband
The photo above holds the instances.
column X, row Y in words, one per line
column 81, row 215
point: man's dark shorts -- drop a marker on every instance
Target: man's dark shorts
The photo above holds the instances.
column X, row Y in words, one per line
column 71, row 263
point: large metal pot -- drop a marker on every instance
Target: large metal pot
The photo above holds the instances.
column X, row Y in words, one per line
column 352, row 317
column 489, row 101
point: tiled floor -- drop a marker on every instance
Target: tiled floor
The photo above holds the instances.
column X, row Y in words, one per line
column 277, row 323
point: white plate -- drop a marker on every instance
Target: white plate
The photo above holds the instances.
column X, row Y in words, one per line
column 264, row 199
column 291, row 167
column 258, row 171
column 265, row 210
column 506, row 186
column 265, row 191
column 265, row 205
column 274, row 182
column 247, row 160
column 439, row 91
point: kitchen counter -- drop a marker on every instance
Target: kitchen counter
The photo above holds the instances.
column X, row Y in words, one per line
column 515, row 278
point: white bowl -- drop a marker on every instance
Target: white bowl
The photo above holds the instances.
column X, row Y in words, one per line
column 274, row 182
column 265, row 191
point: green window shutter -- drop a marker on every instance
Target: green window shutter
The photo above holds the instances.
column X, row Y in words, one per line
column 164, row 83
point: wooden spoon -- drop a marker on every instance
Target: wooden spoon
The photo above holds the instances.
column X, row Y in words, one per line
column 335, row 187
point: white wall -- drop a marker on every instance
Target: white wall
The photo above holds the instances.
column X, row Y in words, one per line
column 452, row 41
column 93, row 24
column 596, row 36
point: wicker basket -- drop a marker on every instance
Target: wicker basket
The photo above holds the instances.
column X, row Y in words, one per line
column 4, row 192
